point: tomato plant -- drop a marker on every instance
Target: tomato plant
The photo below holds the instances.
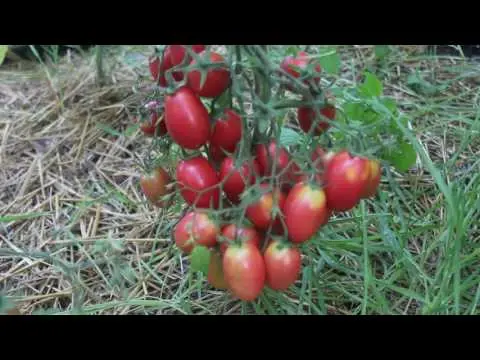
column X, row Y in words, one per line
column 248, row 171
column 244, row 270
column 198, row 182
column 282, row 265
column 187, row 119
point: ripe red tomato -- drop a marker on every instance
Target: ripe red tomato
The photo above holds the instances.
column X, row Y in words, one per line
column 374, row 176
column 244, row 270
column 305, row 211
column 217, row 79
column 267, row 154
column 177, row 53
column 301, row 61
column 306, row 117
column 226, row 133
column 187, row 119
column 195, row 228
column 154, row 186
column 242, row 233
column 282, row 265
column 215, row 274
column 260, row 212
column 194, row 177
column 235, row 179
column 345, row 180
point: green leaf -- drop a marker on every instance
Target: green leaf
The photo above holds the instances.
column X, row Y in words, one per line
column 200, row 259
column 381, row 51
column 289, row 137
column 3, row 53
column 291, row 50
column 129, row 131
column 371, row 86
column 330, row 61
column 402, row 156
column 19, row 217
column 420, row 85
column 108, row 129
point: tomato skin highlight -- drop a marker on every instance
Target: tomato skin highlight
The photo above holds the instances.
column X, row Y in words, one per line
column 260, row 212
column 306, row 117
column 266, row 154
column 282, row 265
column 217, row 79
column 226, row 133
column 345, row 180
column 154, row 186
column 305, row 211
column 243, row 233
column 374, row 177
column 244, row 271
column 215, row 275
column 195, row 175
column 195, row 228
column 187, row 119
column 237, row 178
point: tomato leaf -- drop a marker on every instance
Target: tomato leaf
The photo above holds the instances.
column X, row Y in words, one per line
column 371, row 86
column 402, row 156
column 291, row 50
column 289, row 137
column 382, row 51
column 200, row 259
column 330, row 60
column 3, row 53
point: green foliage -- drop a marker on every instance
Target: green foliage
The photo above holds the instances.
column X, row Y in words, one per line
column 200, row 259
column 330, row 60
column 371, row 86
column 3, row 53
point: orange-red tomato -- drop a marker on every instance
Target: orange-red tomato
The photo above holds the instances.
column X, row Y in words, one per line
column 374, row 176
column 282, row 265
column 215, row 274
column 154, row 185
column 244, row 270
column 260, row 212
column 195, row 228
column 305, row 211
column 242, row 233
column 345, row 180
column 198, row 182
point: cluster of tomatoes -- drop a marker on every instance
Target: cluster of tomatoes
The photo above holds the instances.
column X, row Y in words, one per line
column 281, row 204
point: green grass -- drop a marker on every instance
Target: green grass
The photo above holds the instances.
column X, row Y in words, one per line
column 414, row 249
